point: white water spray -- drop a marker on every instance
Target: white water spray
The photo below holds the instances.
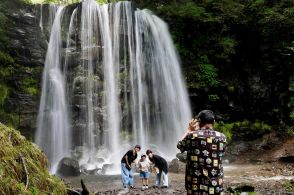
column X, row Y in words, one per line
column 53, row 133
column 126, row 88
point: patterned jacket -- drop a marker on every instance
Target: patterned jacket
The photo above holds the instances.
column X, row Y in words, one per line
column 204, row 171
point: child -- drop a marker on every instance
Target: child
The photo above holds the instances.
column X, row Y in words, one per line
column 144, row 171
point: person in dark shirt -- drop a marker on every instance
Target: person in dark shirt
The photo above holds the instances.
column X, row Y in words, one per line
column 205, row 148
column 126, row 169
column 162, row 166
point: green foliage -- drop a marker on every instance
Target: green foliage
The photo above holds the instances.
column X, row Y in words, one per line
column 6, row 59
column 15, row 154
column 27, row 1
column 290, row 131
column 224, row 41
column 10, row 119
column 3, row 93
column 52, row 1
column 3, row 36
column 246, row 127
column 289, row 185
column 106, row 1
column 30, row 86
column 257, row 126
column 213, row 98
column 227, row 45
column 63, row 2
column 225, row 128
column 208, row 75
column 188, row 9
column 66, row 2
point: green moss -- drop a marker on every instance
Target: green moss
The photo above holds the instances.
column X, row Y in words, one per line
column 10, row 119
column 7, row 66
column 6, row 59
column 30, row 86
column 16, row 155
column 4, row 92
column 289, row 185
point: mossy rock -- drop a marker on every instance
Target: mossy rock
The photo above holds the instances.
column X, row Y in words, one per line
column 23, row 167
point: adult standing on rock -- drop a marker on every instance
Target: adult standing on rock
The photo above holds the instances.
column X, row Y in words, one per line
column 205, row 148
column 126, row 169
column 162, row 166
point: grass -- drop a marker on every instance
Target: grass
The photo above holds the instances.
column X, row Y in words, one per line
column 23, row 167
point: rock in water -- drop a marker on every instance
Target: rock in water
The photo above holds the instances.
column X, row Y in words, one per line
column 68, row 167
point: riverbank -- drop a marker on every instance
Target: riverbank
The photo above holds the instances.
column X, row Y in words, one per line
column 265, row 178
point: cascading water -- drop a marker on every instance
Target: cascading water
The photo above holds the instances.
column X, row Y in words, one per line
column 53, row 133
column 162, row 108
column 47, row 16
column 123, row 85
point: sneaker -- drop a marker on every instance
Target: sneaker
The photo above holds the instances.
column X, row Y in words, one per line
column 132, row 187
column 146, row 187
column 143, row 188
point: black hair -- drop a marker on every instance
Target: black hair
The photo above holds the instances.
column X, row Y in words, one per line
column 148, row 152
column 206, row 117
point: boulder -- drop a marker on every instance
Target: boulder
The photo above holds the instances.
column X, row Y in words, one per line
column 182, row 157
column 285, row 152
column 106, row 167
column 176, row 166
column 68, row 167
column 239, row 148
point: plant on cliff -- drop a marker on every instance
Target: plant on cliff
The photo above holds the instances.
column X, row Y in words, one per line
column 243, row 129
column 23, row 167
column 242, row 40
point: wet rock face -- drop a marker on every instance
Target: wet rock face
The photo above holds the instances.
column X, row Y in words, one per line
column 27, row 46
column 68, row 167
column 27, row 43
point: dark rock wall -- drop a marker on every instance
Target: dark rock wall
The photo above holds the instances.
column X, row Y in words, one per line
column 27, row 46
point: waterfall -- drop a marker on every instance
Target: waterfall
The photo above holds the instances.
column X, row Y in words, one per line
column 47, row 15
column 53, row 133
column 41, row 18
column 120, row 85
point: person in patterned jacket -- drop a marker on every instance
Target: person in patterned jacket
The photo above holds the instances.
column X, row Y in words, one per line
column 205, row 148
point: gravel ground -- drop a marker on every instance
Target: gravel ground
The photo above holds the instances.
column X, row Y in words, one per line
column 267, row 178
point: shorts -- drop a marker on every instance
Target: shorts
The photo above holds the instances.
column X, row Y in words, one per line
column 144, row 175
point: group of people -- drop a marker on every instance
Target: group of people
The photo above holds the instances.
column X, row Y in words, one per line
column 156, row 163
column 205, row 148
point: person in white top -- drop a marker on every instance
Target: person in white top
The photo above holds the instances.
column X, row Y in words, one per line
column 144, row 167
